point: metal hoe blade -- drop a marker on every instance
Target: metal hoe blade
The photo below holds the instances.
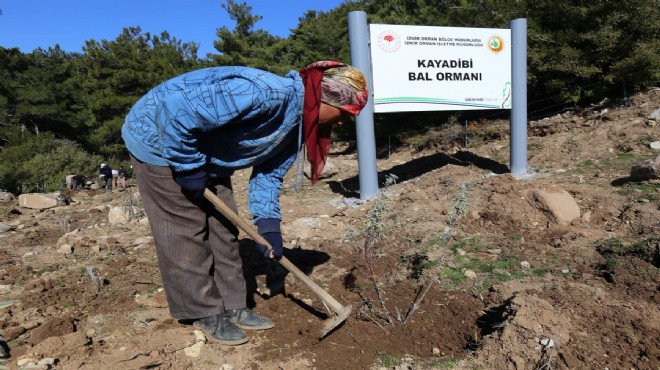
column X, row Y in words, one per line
column 330, row 324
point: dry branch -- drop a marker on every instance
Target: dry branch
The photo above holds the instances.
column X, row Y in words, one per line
column 379, row 292
column 417, row 302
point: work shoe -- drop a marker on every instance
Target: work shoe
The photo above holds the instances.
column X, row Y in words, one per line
column 220, row 329
column 246, row 319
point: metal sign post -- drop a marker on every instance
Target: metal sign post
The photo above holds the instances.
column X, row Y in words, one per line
column 358, row 36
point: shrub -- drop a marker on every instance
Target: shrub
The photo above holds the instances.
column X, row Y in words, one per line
column 41, row 163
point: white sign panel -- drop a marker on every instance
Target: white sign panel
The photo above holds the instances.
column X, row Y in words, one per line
column 421, row 68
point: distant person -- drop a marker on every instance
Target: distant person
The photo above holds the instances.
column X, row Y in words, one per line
column 69, row 181
column 121, row 177
column 78, row 182
column 106, row 176
column 115, row 178
column 191, row 133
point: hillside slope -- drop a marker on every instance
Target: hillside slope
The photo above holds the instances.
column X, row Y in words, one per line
column 458, row 265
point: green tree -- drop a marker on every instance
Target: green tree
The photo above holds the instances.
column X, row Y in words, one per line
column 582, row 51
column 245, row 46
column 12, row 62
column 43, row 98
column 319, row 36
column 115, row 74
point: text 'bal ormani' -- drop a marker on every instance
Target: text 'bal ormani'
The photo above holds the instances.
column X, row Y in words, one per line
column 444, row 76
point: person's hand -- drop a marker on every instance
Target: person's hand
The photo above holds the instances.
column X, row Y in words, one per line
column 269, row 229
column 193, row 182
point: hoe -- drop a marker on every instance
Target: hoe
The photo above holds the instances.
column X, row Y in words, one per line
column 341, row 312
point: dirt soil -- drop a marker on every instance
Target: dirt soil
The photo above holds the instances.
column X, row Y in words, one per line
column 456, row 266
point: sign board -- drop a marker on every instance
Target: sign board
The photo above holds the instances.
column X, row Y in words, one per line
column 422, row 68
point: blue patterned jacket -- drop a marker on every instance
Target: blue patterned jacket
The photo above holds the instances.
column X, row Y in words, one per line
column 222, row 119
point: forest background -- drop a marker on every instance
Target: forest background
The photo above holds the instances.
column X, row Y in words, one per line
column 62, row 112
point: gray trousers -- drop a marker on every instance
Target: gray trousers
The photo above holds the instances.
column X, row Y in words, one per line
column 197, row 247
column 107, row 183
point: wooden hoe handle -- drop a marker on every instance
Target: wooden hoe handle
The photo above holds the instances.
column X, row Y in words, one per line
column 254, row 234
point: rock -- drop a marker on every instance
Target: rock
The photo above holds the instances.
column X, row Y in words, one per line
column 4, row 228
column 646, row 170
column 6, row 197
column 29, row 325
column 655, row 115
column 46, row 361
column 63, row 201
column 547, row 342
column 329, row 170
column 655, row 145
column 404, row 366
column 68, row 343
column 470, row 274
column 144, row 240
column 303, row 228
column 38, row 200
column 65, row 249
column 14, row 332
column 196, row 349
column 56, row 327
column 69, row 238
column 25, row 361
column 558, row 203
column 526, row 265
column 160, row 299
column 121, row 215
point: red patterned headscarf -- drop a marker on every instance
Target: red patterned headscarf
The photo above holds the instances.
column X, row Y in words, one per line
column 334, row 83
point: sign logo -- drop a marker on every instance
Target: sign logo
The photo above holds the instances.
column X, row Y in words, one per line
column 389, row 41
column 495, row 44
